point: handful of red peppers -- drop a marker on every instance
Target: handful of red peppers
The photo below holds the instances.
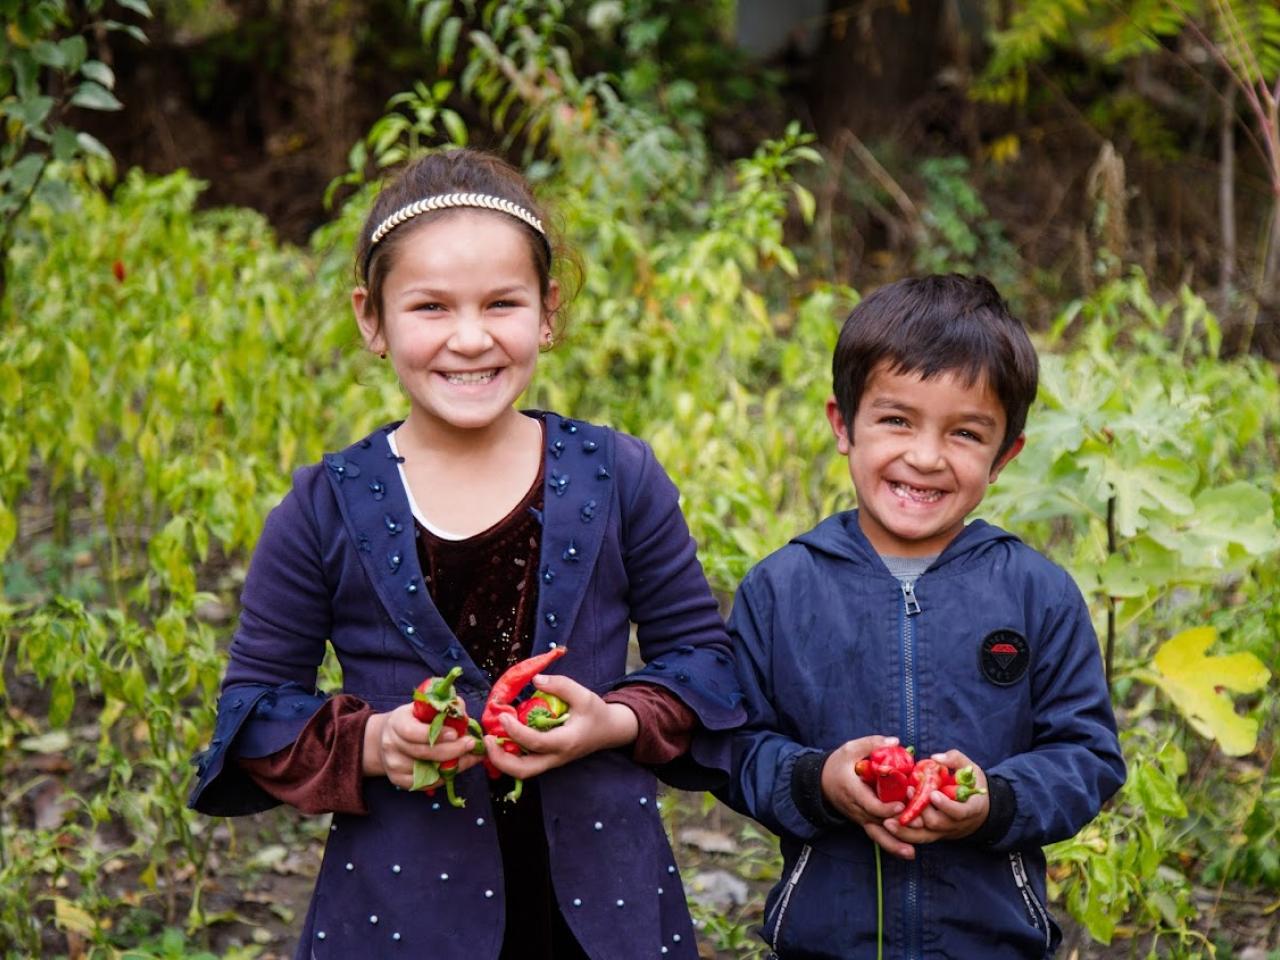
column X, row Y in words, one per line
column 436, row 703
column 893, row 769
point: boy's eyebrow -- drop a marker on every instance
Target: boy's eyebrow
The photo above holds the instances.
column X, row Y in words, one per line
column 969, row 416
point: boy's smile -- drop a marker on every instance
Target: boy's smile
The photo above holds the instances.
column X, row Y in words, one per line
column 922, row 456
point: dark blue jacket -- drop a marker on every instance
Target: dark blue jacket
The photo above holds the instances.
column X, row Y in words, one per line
column 994, row 656
column 415, row 876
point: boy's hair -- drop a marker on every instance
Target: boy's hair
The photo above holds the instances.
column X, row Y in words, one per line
column 933, row 325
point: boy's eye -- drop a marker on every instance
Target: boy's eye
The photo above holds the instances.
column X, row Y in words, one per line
column 429, row 306
column 894, row 421
column 969, row 435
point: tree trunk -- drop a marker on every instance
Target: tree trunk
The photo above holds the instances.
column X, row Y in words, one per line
column 878, row 59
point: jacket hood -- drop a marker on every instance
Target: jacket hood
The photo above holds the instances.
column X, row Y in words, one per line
column 840, row 536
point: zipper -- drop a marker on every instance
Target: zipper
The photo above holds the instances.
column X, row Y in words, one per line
column 1039, row 917
column 910, row 608
column 792, row 880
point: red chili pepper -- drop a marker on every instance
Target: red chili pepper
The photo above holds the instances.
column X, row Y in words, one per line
column 889, row 768
column 929, row 776
column 435, row 702
column 505, row 689
column 963, row 785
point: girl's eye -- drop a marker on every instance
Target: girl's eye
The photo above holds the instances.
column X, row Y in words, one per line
column 430, row 307
column 505, row 305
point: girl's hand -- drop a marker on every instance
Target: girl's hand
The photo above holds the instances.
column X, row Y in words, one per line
column 392, row 741
column 592, row 725
column 946, row 819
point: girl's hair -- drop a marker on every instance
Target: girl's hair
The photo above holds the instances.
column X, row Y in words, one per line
column 460, row 171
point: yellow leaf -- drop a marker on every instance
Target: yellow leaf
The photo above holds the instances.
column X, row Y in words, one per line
column 1196, row 684
column 70, row 917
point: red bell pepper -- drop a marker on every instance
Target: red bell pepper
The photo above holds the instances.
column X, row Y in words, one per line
column 889, row 769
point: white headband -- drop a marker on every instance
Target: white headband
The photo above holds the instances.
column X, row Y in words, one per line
column 447, row 200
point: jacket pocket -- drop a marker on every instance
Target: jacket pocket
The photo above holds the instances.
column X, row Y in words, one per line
column 773, row 923
column 1037, row 915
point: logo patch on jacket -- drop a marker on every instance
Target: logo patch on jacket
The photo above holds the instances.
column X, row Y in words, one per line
column 1004, row 657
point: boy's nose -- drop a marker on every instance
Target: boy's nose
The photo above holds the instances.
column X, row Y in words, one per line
column 924, row 454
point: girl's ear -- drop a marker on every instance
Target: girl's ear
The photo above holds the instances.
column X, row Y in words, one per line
column 549, row 307
column 367, row 321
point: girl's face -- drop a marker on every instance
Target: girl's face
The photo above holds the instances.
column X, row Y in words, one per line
column 462, row 318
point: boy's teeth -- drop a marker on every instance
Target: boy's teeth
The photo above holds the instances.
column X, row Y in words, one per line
column 483, row 377
column 915, row 493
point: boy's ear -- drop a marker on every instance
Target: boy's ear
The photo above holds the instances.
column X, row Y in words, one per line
column 367, row 321
column 1014, row 449
column 838, row 426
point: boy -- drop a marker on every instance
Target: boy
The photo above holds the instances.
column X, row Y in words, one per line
column 899, row 622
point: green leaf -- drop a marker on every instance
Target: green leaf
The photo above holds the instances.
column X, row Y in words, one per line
column 49, row 54
column 448, row 44
column 456, row 127
column 65, row 144
column 92, row 145
column 1196, row 684
column 8, row 529
column 74, row 50
column 30, row 111
column 426, row 773
column 94, row 96
column 137, row 6
column 98, row 72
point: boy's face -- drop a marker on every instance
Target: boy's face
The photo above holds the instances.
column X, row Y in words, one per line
column 922, row 456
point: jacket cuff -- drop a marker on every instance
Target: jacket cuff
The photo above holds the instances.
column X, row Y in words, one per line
column 806, row 791
column 1002, row 806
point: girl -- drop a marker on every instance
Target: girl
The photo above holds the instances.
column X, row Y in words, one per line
column 473, row 535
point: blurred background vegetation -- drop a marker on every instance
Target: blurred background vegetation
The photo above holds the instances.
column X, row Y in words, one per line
column 180, row 187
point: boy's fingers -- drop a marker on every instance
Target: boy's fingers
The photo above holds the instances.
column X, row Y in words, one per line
column 889, row 843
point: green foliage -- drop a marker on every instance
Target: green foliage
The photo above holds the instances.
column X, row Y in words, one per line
column 46, row 71
column 163, row 370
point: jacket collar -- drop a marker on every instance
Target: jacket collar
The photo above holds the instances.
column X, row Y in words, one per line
column 578, row 472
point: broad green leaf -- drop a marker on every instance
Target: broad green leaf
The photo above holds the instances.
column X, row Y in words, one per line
column 137, row 6
column 31, row 111
column 1196, row 683
column 94, row 96
column 98, row 72
column 92, row 145
column 65, row 144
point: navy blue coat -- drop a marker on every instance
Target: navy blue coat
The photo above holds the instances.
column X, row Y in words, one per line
column 337, row 561
column 996, row 657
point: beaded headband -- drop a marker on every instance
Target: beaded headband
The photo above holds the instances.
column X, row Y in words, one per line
column 446, row 201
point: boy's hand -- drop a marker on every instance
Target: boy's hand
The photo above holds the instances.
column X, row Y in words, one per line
column 857, row 800
column 946, row 819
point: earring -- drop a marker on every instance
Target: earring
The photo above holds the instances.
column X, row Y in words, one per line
column 549, row 339
column 383, row 355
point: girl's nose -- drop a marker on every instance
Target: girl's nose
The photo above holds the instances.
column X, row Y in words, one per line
column 470, row 335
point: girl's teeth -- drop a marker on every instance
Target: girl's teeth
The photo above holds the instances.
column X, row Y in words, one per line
column 470, row 377
column 915, row 493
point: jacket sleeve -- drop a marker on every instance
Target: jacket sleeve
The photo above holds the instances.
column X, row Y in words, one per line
column 764, row 758
column 268, row 693
column 678, row 624
column 1075, row 763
